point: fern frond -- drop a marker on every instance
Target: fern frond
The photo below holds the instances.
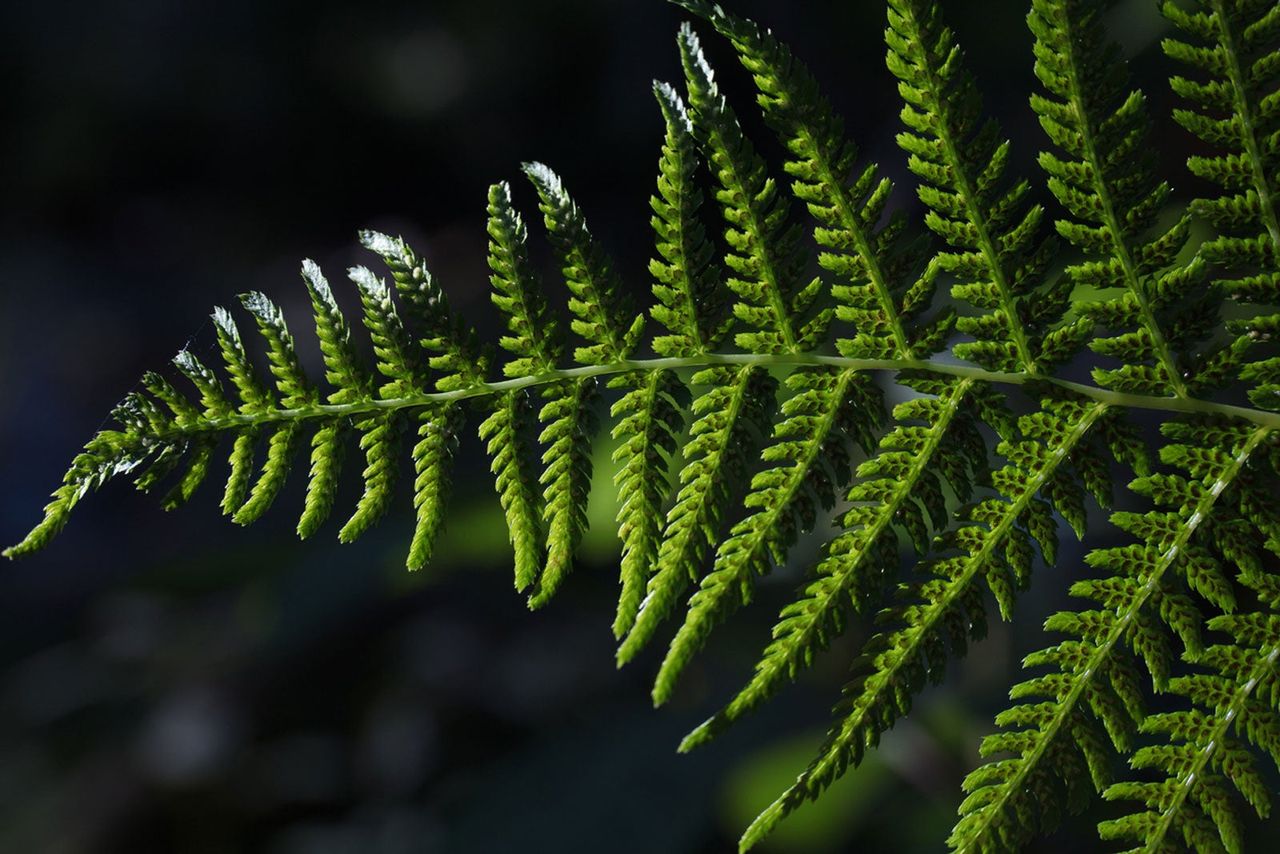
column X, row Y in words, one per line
column 506, row 433
column 899, row 489
column 1189, row 604
column 110, row 453
column 1234, row 50
column 433, row 456
column 731, row 415
column 766, row 264
column 533, row 336
column 649, row 420
column 453, row 351
column 1107, row 182
column 569, row 423
column 328, row 449
column 1060, row 753
column 597, row 304
column 946, row 609
column 1232, row 693
column 880, row 288
column 809, row 459
column 342, row 365
column 690, row 305
column 997, row 250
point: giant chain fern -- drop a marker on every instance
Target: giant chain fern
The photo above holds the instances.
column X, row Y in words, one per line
column 763, row 397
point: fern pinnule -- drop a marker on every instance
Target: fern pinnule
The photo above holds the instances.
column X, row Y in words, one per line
column 199, row 458
column 650, row 418
column 506, row 433
column 184, row 412
column 598, row 306
column 896, row 489
column 291, row 382
column 808, row 460
column 328, row 450
column 765, row 258
column 1108, row 184
column 380, row 442
column 1234, row 50
column 452, row 348
column 342, row 366
column 568, row 425
column 880, row 289
column 395, row 357
column 730, row 416
column 533, row 337
column 946, row 610
column 254, row 396
column 212, row 399
column 1143, row 603
column 998, row 252
column 433, row 456
column 689, row 302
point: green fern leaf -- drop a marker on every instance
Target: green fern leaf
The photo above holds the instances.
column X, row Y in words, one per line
column 946, row 609
column 1234, row 54
column 690, row 303
column 1233, row 693
column 880, row 289
column 767, row 267
column 506, row 433
column 1095, row 680
column 650, row 420
column 998, row 253
column 1108, row 185
column 730, row 416
column 1186, row 608
column 809, row 459
column 896, row 489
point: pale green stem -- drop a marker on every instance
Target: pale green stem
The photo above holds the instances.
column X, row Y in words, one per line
column 766, row 360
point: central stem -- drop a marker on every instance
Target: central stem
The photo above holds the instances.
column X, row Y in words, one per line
column 767, row 360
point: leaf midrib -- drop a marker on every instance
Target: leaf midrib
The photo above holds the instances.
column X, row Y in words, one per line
column 483, row 390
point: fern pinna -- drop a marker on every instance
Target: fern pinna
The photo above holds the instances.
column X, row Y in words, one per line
column 811, row 380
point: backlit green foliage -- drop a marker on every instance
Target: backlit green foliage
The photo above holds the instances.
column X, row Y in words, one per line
column 801, row 377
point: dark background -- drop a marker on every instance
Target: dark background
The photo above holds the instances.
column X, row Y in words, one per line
column 172, row 683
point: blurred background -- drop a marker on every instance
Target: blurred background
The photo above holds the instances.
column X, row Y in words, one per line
column 171, row 683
